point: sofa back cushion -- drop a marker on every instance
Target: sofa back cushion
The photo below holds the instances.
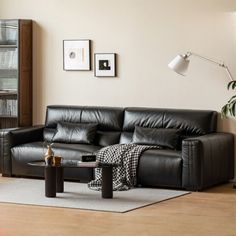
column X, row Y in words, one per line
column 109, row 120
column 116, row 125
column 191, row 122
column 164, row 138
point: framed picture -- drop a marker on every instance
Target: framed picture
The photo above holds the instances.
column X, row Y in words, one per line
column 105, row 64
column 76, row 55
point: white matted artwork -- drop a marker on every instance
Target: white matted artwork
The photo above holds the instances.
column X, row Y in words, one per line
column 76, row 55
column 105, row 64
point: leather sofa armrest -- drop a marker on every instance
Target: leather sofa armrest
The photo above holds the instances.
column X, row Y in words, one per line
column 13, row 137
column 207, row 160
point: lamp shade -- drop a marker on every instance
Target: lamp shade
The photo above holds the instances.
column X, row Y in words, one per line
column 179, row 64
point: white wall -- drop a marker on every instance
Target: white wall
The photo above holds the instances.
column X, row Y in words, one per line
column 146, row 35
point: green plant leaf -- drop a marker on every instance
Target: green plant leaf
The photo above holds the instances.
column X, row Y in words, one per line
column 232, row 84
column 233, row 108
column 224, row 111
column 230, row 107
column 232, row 99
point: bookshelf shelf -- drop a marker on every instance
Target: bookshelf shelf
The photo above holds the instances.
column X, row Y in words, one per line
column 8, row 117
column 8, row 94
column 8, row 46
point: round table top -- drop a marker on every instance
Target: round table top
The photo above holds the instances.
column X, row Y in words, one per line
column 74, row 163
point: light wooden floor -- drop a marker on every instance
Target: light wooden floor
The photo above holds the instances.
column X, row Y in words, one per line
column 212, row 212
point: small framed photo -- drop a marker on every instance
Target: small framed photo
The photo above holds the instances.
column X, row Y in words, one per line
column 105, row 64
column 76, row 55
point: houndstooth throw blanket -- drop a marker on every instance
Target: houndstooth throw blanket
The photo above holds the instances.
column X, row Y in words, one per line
column 127, row 157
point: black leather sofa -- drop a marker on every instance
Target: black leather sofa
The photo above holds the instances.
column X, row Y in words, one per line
column 204, row 157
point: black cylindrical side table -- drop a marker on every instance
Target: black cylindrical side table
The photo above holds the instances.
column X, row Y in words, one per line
column 60, row 179
column 54, row 176
column 50, row 181
column 107, row 186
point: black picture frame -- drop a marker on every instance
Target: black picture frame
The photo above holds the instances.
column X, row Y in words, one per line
column 105, row 65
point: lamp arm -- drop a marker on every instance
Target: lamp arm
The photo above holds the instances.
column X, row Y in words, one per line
column 228, row 72
column 188, row 54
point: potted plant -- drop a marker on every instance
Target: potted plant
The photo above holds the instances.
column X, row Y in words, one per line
column 230, row 107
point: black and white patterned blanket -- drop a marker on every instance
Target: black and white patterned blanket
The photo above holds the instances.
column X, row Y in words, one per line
column 127, row 157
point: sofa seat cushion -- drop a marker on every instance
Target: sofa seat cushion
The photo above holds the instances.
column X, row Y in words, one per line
column 73, row 151
column 22, row 154
column 161, row 168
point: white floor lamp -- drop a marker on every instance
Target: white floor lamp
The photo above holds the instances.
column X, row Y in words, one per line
column 181, row 62
column 180, row 65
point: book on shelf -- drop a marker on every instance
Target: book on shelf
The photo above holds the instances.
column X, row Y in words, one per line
column 8, row 107
column 9, row 32
column 8, row 58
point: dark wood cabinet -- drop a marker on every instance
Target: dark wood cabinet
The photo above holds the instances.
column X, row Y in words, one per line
column 15, row 73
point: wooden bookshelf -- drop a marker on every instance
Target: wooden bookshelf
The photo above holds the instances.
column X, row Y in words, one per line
column 15, row 73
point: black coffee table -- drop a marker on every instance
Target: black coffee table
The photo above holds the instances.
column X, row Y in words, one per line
column 54, row 176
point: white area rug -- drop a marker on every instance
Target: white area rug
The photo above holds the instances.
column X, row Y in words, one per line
column 77, row 195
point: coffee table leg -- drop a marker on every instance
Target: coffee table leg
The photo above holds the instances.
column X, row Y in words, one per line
column 50, row 181
column 60, row 179
column 107, row 186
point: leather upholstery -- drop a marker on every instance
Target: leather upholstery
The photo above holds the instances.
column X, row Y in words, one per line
column 13, row 137
column 102, row 138
column 190, row 121
column 144, row 117
column 5, row 147
column 54, row 114
column 48, row 134
column 160, row 168
column 165, row 138
column 126, row 137
column 109, row 119
column 75, row 133
column 206, row 158
column 105, row 138
column 24, row 153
